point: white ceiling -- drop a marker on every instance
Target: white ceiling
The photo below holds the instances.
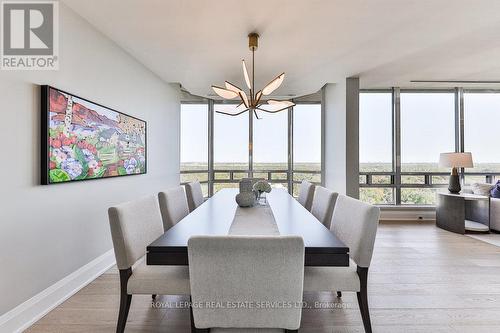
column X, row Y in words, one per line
column 385, row 42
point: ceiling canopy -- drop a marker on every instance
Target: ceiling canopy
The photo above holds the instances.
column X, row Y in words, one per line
column 385, row 42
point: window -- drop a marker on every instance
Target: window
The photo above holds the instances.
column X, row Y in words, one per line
column 270, row 141
column 230, row 140
column 481, row 115
column 194, row 144
column 306, row 144
column 231, row 146
column 375, row 132
column 427, row 129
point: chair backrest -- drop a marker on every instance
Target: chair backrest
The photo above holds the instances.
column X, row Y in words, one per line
column 260, row 271
column 134, row 225
column 194, row 195
column 322, row 205
column 173, row 206
column 355, row 223
column 306, row 194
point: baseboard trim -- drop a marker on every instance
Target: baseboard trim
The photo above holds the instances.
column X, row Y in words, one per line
column 26, row 314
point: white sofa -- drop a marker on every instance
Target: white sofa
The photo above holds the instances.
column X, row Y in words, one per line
column 494, row 211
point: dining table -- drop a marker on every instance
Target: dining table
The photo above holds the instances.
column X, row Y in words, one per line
column 278, row 215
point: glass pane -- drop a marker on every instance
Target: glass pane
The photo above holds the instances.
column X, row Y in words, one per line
column 440, row 179
column 220, row 186
column 240, row 175
column 427, row 129
column 222, row 175
column 230, row 140
column 419, row 196
column 375, row 132
column 270, row 141
column 307, row 137
column 482, row 114
column 469, row 180
column 191, row 177
column 194, row 137
column 377, row 196
column 279, row 176
column 310, row 177
column 412, row 179
column 381, row 180
column 263, row 175
column 362, row 179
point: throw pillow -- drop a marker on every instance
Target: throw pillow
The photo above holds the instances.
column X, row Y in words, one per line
column 495, row 192
column 482, row 188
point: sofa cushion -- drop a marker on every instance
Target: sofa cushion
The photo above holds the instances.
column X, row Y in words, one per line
column 495, row 192
column 481, row 188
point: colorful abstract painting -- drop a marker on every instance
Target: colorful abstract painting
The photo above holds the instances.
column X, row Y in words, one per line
column 84, row 140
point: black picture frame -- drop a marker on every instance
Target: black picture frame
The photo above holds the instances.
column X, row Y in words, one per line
column 45, row 138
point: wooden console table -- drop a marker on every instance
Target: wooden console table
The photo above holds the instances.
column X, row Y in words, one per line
column 463, row 212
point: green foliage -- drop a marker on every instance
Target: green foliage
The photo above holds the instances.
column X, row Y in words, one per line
column 58, row 175
column 122, row 171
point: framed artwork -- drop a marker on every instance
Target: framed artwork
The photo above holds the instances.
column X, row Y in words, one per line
column 82, row 140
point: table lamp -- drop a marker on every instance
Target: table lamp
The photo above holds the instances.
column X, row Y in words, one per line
column 454, row 161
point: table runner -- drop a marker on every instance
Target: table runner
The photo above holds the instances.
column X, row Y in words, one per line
column 257, row 220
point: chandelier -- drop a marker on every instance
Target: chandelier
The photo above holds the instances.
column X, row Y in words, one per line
column 253, row 101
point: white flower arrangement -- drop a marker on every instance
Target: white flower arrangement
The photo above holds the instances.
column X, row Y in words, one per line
column 262, row 186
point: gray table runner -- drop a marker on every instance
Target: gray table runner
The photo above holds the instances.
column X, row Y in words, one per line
column 257, row 220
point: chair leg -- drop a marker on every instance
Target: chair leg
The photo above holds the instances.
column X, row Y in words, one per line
column 125, row 300
column 339, row 294
column 363, row 298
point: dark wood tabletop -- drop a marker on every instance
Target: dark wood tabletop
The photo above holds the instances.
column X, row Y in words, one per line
column 215, row 216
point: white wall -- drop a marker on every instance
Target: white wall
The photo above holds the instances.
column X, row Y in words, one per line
column 335, row 136
column 47, row 232
column 341, row 103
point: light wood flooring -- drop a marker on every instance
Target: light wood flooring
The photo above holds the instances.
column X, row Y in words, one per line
column 422, row 279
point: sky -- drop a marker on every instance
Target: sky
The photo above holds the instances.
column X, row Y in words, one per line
column 427, row 126
column 427, row 129
column 231, row 135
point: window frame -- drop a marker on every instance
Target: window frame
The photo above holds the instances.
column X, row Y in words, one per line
column 459, row 139
column 232, row 179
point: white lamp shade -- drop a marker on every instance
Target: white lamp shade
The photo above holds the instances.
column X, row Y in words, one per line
column 456, row 160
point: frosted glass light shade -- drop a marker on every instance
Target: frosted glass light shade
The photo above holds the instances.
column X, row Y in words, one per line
column 245, row 74
column 224, row 93
column 273, row 85
column 456, row 160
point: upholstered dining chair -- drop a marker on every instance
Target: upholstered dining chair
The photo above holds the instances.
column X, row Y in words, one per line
column 134, row 225
column 194, row 195
column 253, row 270
column 355, row 223
column 323, row 204
column 306, row 194
column 173, row 206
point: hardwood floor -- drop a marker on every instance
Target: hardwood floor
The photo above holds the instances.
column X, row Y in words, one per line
column 422, row 279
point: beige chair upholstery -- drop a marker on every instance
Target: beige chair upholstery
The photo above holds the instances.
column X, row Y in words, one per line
column 134, row 225
column 355, row 223
column 332, row 278
column 194, row 195
column 306, row 194
column 323, row 204
column 251, row 269
column 495, row 214
column 173, row 206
